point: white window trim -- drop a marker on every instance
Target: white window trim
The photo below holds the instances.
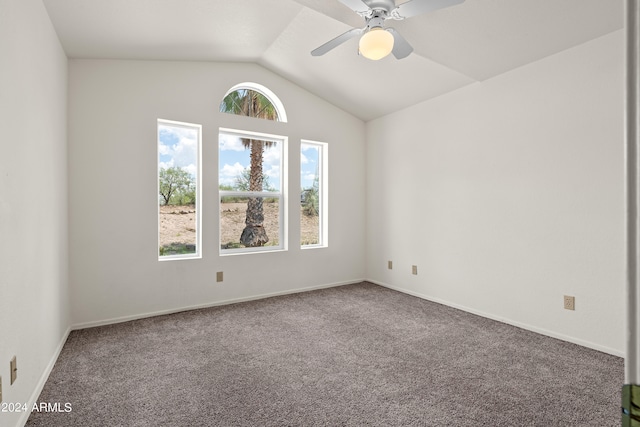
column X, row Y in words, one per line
column 198, row 128
column 323, row 183
column 282, row 195
column 272, row 97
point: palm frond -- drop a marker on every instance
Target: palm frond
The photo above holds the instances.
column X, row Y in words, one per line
column 250, row 103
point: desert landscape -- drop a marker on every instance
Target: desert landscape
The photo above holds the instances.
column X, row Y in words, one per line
column 178, row 226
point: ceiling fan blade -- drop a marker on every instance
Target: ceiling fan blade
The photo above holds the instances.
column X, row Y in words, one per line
column 333, row 9
column 418, row 7
column 358, row 6
column 401, row 47
column 336, row 42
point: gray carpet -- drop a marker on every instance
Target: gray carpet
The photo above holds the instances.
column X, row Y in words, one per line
column 352, row 355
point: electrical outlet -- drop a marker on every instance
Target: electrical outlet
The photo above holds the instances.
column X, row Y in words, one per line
column 219, row 276
column 13, row 365
column 390, row 265
column 414, row 269
column 569, row 302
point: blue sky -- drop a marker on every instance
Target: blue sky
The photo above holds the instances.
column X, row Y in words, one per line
column 234, row 158
column 308, row 164
column 178, row 147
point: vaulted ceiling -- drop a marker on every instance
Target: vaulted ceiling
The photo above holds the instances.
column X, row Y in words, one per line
column 453, row 47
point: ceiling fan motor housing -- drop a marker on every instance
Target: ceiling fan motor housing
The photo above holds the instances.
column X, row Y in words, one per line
column 381, row 5
column 376, row 21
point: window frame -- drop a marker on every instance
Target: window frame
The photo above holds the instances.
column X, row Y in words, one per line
column 266, row 92
column 198, row 205
column 281, row 195
column 323, row 196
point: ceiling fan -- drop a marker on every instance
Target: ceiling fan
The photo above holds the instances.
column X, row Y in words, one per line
column 377, row 41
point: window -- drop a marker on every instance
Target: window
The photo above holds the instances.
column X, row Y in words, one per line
column 253, row 100
column 251, row 180
column 179, row 190
column 313, row 194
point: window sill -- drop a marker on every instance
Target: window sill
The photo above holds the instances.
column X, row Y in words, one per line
column 267, row 250
column 308, row 247
column 179, row 257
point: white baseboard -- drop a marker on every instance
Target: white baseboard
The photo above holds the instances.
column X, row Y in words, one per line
column 207, row 305
column 43, row 379
column 527, row 327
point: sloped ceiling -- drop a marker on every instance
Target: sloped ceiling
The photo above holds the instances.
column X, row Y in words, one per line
column 454, row 47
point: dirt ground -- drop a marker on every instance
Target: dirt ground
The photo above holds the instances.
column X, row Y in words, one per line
column 177, row 224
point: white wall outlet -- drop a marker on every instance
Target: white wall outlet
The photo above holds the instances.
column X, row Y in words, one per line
column 390, row 265
column 569, row 302
column 219, row 276
column 414, row 269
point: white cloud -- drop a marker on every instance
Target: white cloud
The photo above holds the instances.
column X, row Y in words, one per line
column 185, row 152
column 230, row 143
column 180, row 145
column 166, row 165
column 303, row 159
column 307, row 147
column 271, row 164
column 192, row 169
column 228, row 173
column 178, row 131
column 271, row 157
column 271, row 161
column 273, row 172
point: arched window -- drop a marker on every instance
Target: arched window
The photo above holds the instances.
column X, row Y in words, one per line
column 253, row 100
column 252, row 174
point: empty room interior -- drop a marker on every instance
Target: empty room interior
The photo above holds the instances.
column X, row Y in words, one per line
column 477, row 170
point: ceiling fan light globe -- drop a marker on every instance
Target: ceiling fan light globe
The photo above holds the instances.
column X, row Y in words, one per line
column 376, row 43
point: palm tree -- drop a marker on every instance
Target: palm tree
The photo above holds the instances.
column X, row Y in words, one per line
column 246, row 102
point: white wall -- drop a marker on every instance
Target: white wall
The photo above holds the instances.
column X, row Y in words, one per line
column 34, row 298
column 506, row 194
column 114, row 270
column 509, row 194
